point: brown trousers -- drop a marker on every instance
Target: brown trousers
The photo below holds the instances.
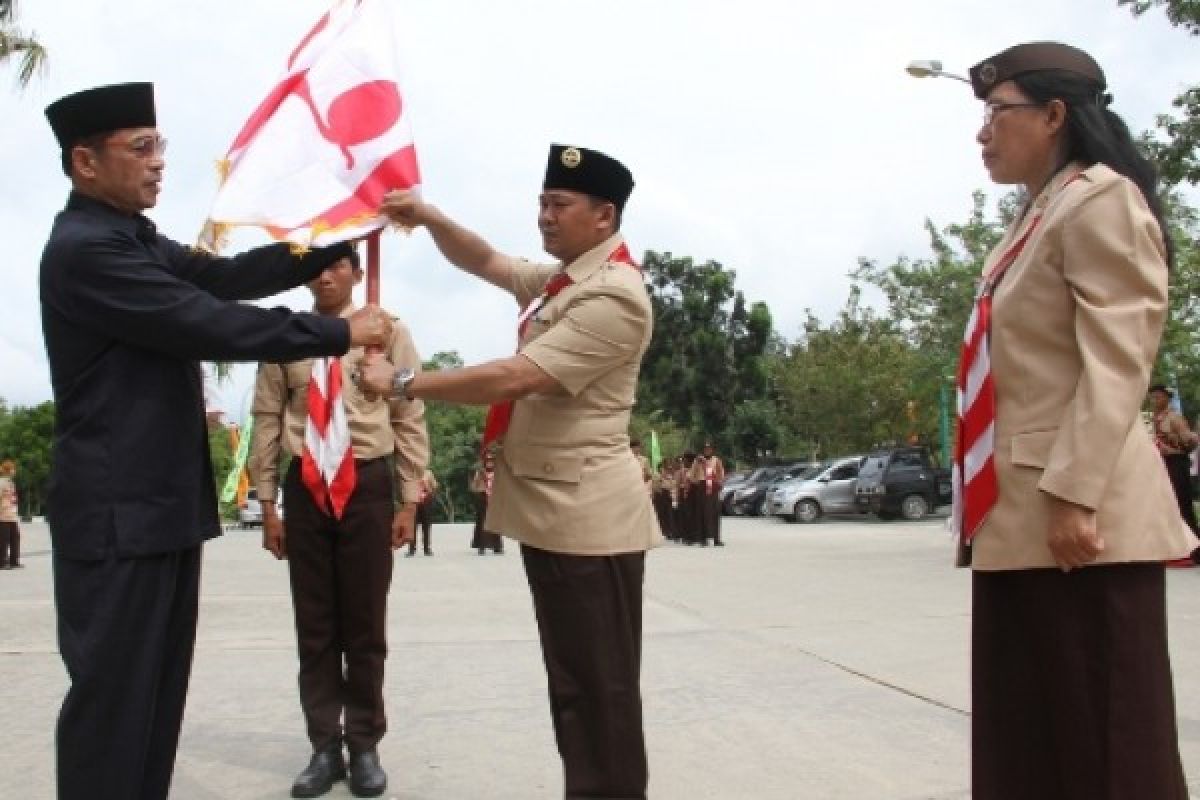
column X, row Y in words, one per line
column 340, row 573
column 423, row 522
column 1071, row 685
column 589, row 615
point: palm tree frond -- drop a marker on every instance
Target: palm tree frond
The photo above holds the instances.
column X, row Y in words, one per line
column 32, row 54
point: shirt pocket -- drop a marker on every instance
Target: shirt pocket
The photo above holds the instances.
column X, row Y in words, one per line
column 1032, row 448
column 544, row 463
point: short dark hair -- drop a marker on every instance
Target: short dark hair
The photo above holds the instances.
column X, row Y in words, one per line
column 353, row 258
column 93, row 142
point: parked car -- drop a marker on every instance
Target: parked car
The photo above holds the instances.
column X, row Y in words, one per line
column 750, row 500
column 733, row 483
column 249, row 513
column 826, row 489
column 901, row 482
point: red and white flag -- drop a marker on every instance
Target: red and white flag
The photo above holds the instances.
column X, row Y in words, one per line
column 327, row 464
column 314, row 160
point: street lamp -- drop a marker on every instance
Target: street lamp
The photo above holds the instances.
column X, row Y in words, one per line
column 931, row 69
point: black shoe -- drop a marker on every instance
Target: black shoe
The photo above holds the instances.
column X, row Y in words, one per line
column 718, row 543
column 319, row 776
column 481, row 551
column 367, row 778
column 428, row 552
column 411, row 553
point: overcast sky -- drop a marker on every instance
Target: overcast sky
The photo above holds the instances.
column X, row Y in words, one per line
column 784, row 140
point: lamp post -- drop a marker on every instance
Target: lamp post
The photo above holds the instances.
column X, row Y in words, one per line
column 931, row 69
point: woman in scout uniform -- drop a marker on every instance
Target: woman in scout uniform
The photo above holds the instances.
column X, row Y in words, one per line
column 1064, row 510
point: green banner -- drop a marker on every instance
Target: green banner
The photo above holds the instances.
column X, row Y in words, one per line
column 239, row 461
column 655, row 452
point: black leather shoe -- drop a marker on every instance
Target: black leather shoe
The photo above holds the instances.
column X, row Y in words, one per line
column 319, row 776
column 367, row 778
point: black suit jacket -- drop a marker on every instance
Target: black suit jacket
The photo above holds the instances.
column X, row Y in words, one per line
column 127, row 314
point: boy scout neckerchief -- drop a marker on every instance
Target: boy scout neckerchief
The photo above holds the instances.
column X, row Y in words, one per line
column 500, row 414
column 327, row 464
column 974, row 481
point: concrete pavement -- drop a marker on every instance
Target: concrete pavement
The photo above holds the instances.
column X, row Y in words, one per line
column 825, row 661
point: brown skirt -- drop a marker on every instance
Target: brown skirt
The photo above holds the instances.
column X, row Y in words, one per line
column 1072, row 688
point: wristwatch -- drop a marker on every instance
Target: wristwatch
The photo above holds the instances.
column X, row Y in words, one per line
column 401, row 381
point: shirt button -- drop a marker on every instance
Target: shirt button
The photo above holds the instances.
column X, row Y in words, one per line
column 548, row 468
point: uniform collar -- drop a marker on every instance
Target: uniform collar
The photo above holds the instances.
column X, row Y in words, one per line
column 587, row 264
column 136, row 225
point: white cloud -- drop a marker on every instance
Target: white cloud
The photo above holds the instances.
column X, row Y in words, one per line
column 783, row 139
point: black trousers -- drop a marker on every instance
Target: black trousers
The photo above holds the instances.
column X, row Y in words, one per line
column 10, row 544
column 589, row 615
column 666, row 513
column 424, row 523
column 483, row 539
column 126, row 630
column 340, row 572
column 1179, row 468
column 1071, row 686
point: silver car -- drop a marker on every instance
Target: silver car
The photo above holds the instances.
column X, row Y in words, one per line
column 827, row 490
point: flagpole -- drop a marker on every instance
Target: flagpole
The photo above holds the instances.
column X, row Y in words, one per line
column 373, row 277
column 373, row 268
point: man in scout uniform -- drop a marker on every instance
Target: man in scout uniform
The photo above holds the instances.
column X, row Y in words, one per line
column 127, row 313
column 10, row 531
column 706, row 476
column 1175, row 442
column 339, row 559
column 568, row 487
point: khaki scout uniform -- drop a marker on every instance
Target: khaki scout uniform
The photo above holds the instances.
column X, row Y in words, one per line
column 378, row 427
column 340, row 569
column 566, row 480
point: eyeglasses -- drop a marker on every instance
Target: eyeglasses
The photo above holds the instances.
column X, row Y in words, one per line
column 990, row 110
column 147, row 146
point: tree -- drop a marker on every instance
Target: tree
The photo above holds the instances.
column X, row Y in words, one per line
column 454, row 436
column 1176, row 157
column 708, row 355
column 1179, row 354
column 850, row 386
column 929, row 300
column 15, row 44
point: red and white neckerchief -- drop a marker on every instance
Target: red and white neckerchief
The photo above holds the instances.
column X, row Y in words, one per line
column 974, row 478
column 500, row 414
column 327, row 465
column 488, row 477
column 710, row 474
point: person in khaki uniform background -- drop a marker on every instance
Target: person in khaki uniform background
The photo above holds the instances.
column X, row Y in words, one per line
column 428, row 486
column 1175, row 442
column 663, row 493
column 340, row 569
column 10, row 531
column 1071, row 677
column 482, row 483
column 568, row 487
column 706, row 475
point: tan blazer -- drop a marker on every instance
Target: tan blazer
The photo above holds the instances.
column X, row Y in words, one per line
column 1076, row 324
column 566, row 480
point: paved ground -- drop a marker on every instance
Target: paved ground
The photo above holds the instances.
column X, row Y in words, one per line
column 824, row 661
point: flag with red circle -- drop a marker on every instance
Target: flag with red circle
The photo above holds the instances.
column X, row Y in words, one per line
column 312, row 163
